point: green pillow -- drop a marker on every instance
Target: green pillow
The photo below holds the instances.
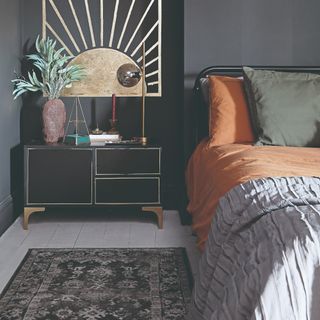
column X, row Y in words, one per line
column 284, row 107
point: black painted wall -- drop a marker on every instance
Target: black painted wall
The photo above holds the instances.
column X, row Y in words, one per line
column 164, row 123
column 247, row 32
column 9, row 110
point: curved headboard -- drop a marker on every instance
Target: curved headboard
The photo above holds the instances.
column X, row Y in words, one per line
column 202, row 112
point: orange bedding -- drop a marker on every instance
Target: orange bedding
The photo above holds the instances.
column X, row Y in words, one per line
column 214, row 171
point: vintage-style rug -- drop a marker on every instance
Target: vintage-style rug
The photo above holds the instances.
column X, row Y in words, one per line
column 89, row 284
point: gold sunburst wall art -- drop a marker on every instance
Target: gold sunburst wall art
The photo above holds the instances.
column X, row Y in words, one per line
column 102, row 35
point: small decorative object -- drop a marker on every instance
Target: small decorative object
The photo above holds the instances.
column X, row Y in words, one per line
column 54, row 119
column 77, row 130
column 56, row 75
column 105, row 138
column 96, row 131
column 129, row 75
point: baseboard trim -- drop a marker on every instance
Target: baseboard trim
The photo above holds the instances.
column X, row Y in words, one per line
column 7, row 215
column 6, row 202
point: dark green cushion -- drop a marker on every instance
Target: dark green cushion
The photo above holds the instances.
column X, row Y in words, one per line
column 284, row 107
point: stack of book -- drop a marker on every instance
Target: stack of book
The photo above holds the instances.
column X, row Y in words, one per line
column 104, row 138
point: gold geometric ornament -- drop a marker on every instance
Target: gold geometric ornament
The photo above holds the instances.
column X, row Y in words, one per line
column 103, row 35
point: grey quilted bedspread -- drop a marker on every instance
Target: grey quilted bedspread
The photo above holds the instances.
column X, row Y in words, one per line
column 262, row 257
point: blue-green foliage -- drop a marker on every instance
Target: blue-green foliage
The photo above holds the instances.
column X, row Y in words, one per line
column 56, row 73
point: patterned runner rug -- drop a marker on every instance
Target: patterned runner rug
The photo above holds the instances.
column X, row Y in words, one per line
column 89, row 284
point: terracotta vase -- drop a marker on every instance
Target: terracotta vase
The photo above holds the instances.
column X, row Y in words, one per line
column 54, row 119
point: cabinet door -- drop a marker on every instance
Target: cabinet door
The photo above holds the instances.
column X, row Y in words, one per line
column 58, row 176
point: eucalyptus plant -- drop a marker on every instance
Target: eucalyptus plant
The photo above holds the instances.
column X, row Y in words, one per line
column 56, row 73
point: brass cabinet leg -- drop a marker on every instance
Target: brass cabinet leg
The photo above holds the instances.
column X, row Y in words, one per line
column 27, row 213
column 158, row 211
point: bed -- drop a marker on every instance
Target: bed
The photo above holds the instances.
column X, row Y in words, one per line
column 256, row 211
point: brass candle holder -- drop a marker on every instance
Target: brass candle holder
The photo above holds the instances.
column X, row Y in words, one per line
column 97, row 131
column 113, row 126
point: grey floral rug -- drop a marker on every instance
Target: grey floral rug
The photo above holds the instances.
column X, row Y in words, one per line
column 90, row 284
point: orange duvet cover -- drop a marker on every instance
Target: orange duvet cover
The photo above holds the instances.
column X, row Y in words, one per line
column 214, row 171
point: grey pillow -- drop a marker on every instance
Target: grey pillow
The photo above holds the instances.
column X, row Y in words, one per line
column 284, row 107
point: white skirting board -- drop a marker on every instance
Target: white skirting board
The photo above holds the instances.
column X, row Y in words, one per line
column 7, row 215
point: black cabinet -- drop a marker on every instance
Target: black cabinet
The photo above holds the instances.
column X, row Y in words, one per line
column 92, row 176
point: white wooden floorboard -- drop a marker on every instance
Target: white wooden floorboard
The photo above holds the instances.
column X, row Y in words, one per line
column 117, row 234
column 91, row 235
column 65, row 235
column 58, row 230
column 40, row 236
column 142, row 235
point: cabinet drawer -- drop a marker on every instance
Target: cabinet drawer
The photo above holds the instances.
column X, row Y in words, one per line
column 127, row 191
column 128, row 161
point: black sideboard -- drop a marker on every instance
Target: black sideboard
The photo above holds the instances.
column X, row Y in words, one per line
column 115, row 175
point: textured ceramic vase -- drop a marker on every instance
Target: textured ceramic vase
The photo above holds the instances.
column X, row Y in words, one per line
column 54, row 119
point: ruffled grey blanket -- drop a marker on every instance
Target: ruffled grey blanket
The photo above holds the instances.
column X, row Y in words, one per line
column 263, row 254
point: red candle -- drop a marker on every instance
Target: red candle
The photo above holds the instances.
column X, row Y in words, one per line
column 113, row 107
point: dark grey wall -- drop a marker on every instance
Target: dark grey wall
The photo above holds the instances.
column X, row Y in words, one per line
column 9, row 110
column 247, row 32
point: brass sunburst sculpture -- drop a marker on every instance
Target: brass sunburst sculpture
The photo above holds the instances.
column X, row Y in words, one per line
column 103, row 45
